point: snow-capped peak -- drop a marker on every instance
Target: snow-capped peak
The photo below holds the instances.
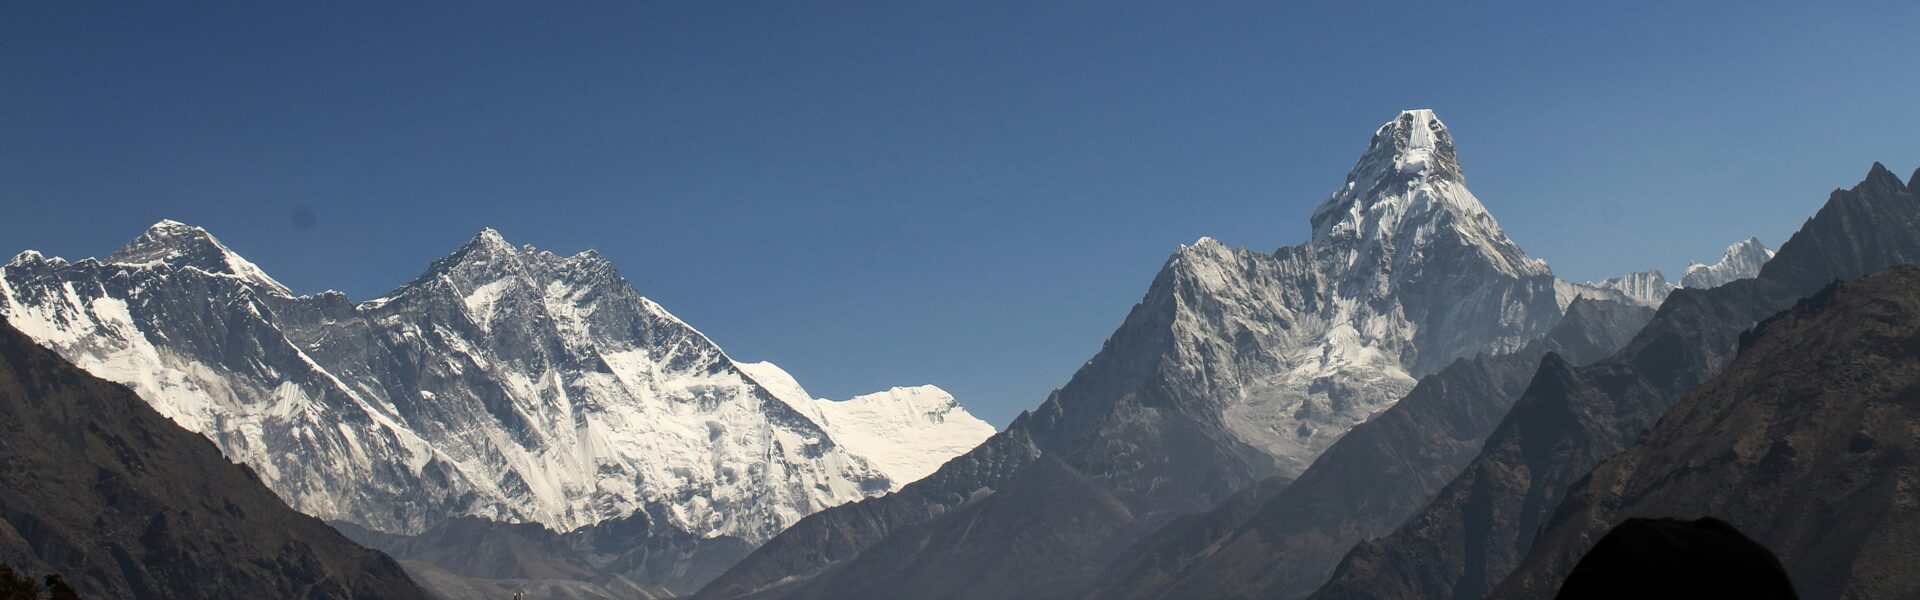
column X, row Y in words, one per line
column 1741, row 260
column 488, row 258
column 486, row 245
column 905, row 432
column 29, row 257
column 178, row 244
column 505, row 382
column 1649, row 288
column 1406, row 191
column 1416, row 143
column 491, row 238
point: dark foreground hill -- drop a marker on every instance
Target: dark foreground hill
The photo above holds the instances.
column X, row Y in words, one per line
column 123, row 503
column 1809, row 443
column 1672, row 558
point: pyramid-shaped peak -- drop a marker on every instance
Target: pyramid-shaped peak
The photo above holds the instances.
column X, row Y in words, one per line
column 1879, row 177
column 491, row 235
column 488, row 257
column 1406, row 187
column 485, row 247
column 489, row 238
column 181, row 245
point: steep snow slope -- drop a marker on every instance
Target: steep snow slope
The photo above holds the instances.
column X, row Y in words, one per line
column 905, row 432
column 507, row 383
column 1647, row 288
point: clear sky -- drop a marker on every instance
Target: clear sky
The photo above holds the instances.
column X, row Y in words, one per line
column 957, row 193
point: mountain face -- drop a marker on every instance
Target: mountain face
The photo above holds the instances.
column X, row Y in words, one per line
column 506, row 383
column 1364, row 485
column 124, row 503
column 1807, row 443
column 622, row 558
column 1570, row 418
column 1041, row 521
column 1742, row 260
column 905, row 432
column 1235, row 367
column 1647, row 288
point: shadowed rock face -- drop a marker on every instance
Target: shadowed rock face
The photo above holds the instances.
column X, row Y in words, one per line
column 1363, row 486
column 1670, row 558
column 97, row 486
column 1809, row 442
column 607, row 558
column 1031, row 539
column 1479, row 526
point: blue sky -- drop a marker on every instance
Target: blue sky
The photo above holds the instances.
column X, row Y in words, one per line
column 964, row 194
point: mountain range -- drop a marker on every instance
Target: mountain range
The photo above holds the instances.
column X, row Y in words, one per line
column 1405, row 405
column 1741, row 260
column 505, row 382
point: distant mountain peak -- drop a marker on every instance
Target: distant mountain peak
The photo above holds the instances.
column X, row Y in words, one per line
column 1742, row 260
column 1649, row 288
column 1882, row 181
column 488, row 256
column 1406, row 191
column 181, row 245
column 28, row 257
column 484, row 246
column 490, row 237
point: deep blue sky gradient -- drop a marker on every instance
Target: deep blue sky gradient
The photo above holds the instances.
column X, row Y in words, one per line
column 886, row 193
